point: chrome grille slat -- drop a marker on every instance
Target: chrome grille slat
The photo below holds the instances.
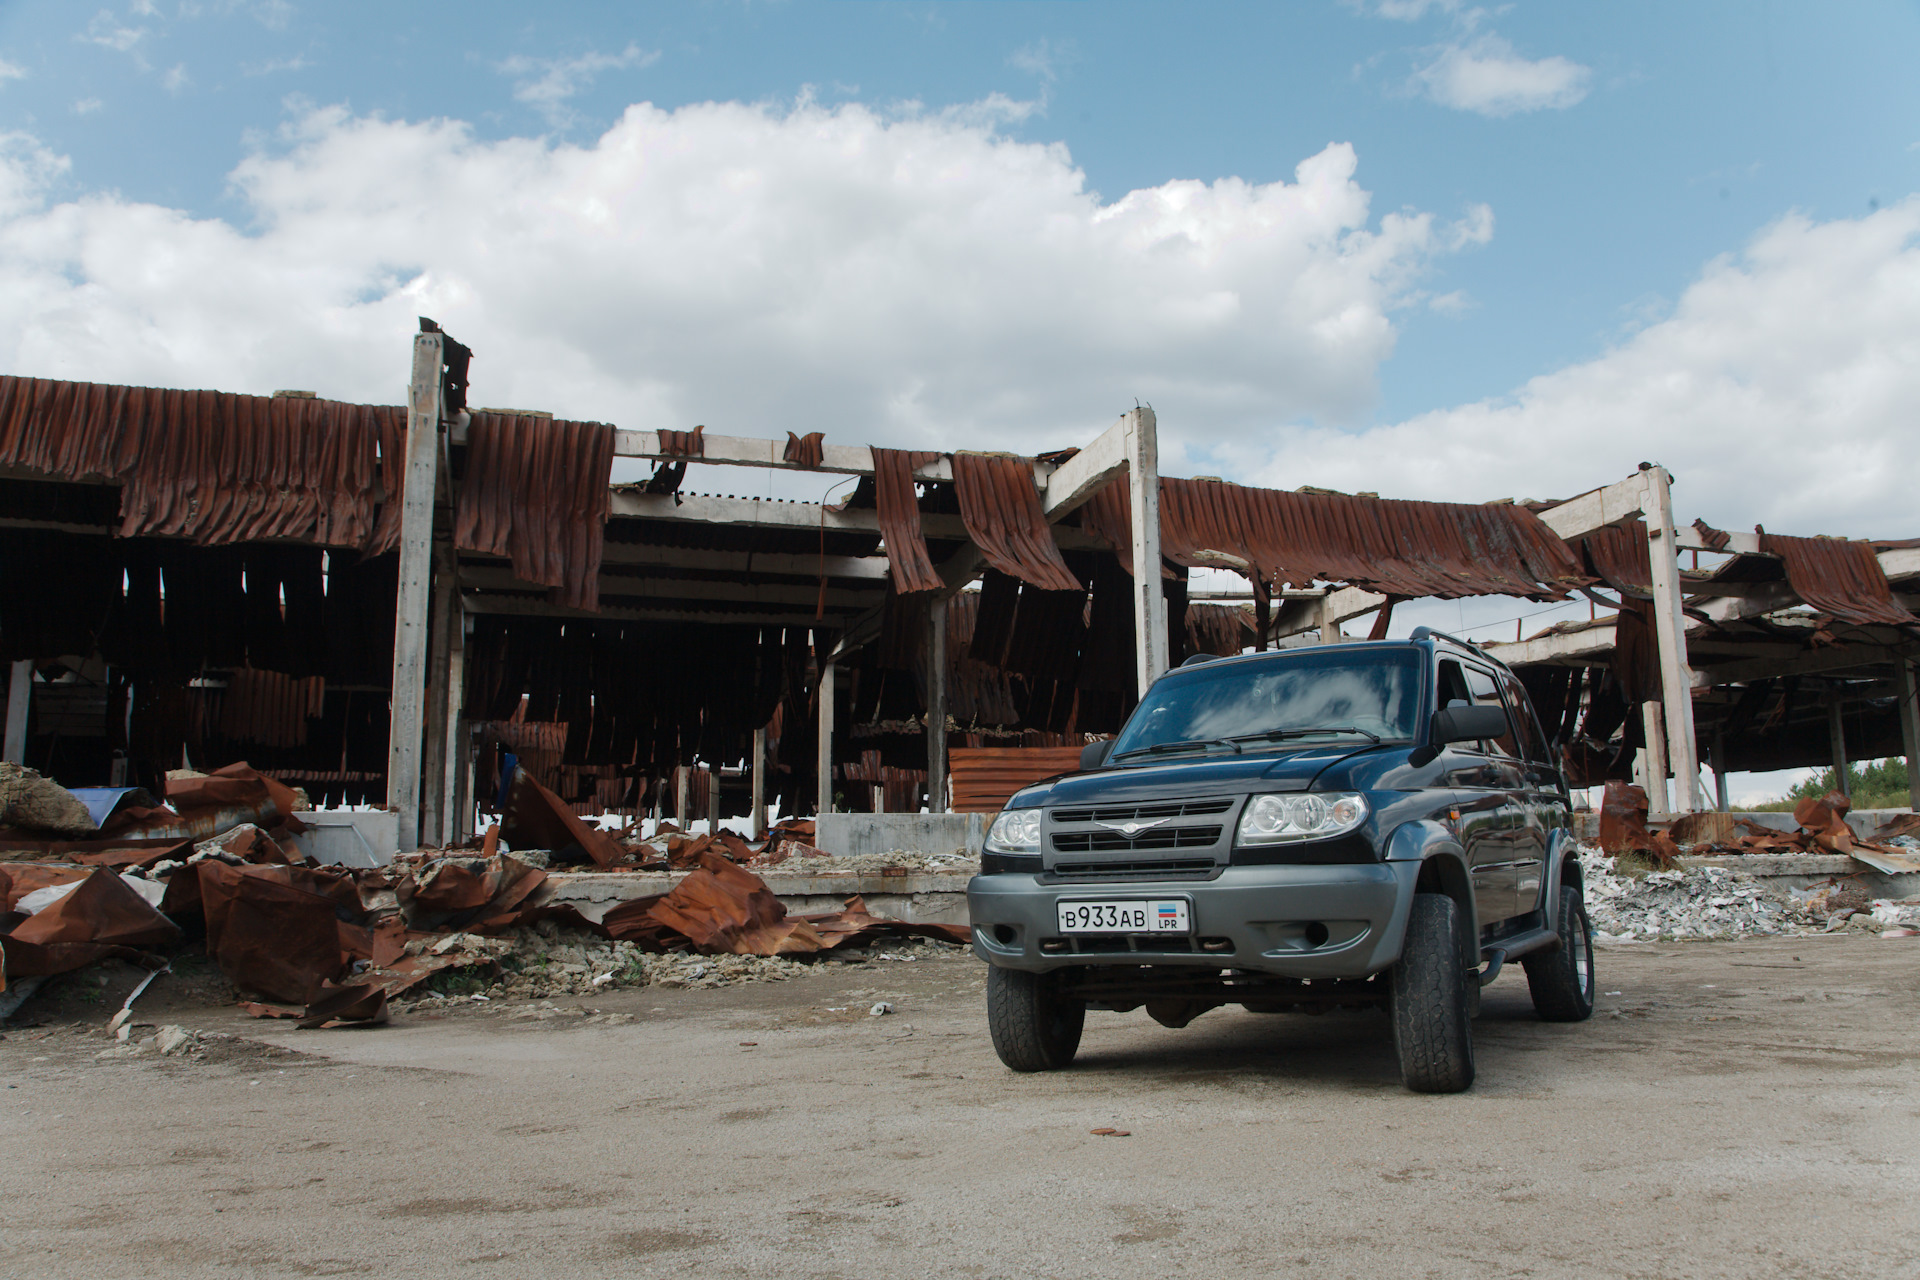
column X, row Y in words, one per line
column 1145, row 812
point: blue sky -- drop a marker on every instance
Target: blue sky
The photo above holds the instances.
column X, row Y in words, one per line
column 1429, row 249
column 1698, row 125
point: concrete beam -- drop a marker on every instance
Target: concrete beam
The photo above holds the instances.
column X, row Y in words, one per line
column 769, row 513
column 620, row 587
column 1088, row 471
column 477, row 602
column 860, row 568
column 1598, row 508
column 1833, row 658
column 1582, row 648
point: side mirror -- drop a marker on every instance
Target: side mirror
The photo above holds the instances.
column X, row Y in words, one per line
column 1094, row 754
column 1465, row 724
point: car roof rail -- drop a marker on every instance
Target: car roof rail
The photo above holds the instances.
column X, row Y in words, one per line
column 1196, row 659
column 1423, row 633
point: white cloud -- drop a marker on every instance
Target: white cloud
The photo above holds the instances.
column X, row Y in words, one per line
column 1485, row 75
column 87, row 106
column 546, row 84
column 1783, row 388
column 273, row 66
column 176, row 78
column 11, row 71
column 917, row 281
column 109, row 32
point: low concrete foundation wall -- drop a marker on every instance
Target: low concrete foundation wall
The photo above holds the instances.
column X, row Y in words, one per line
column 848, row 835
column 917, row 898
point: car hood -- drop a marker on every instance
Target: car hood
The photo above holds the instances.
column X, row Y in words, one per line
column 1220, row 775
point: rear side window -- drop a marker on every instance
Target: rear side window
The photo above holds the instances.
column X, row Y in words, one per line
column 1520, row 709
column 1486, row 693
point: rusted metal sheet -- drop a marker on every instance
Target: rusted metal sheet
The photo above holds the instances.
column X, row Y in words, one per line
column 101, row 917
column 1838, row 577
column 535, row 490
column 984, row 777
column 685, row 444
column 1398, row 548
column 1001, row 509
column 1220, row 629
column 898, row 510
column 1620, row 557
column 211, row 465
column 977, row 692
column 1717, row 539
column 807, row 450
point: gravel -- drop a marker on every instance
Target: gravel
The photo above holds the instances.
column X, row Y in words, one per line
column 1713, row 902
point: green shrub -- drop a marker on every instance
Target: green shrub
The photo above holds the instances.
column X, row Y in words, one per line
column 1872, row 784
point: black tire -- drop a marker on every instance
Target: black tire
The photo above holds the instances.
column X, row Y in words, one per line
column 1034, row 1027
column 1561, row 980
column 1430, row 1000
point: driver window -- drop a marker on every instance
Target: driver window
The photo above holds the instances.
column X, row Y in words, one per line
column 1486, row 693
column 1452, row 686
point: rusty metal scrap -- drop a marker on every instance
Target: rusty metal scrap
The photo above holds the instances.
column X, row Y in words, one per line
column 1001, row 509
column 898, row 511
column 684, row 444
column 535, row 490
column 100, row 917
column 535, row 818
column 805, row 451
column 214, row 466
column 1398, row 548
column 984, row 777
column 1717, row 539
column 1840, row 578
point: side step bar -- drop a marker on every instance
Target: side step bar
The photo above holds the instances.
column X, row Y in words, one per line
column 1522, row 944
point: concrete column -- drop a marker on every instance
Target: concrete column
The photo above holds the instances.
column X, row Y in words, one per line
column 1909, row 727
column 1657, row 803
column 824, row 799
column 760, row 783
column 1837, row 743
column 19, row 699
column 458, row 752
column 442, row 706
column 713, row 799
column 1149, row 601
column 937, row 707
column 415, row 596
column 1670, row 634
column 1329, row 625
column 682, row 796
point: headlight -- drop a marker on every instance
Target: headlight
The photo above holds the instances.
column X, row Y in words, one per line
column 1311, row 815
column 1015, row 831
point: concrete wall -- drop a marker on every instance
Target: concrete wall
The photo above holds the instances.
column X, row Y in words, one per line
column 851, row 834
column 350, row 838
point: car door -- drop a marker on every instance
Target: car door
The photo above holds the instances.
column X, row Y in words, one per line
column 1481, row 783
column 1540, row 797
column 1506, row 778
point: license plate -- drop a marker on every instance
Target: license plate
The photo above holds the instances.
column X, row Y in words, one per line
column 1125, row 915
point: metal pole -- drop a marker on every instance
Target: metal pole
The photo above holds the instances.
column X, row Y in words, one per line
column 1837, row 741
column 1909, row 727
column 1670, row 631
column 824, row 800
column 1149, row 600
column 19, row 698
column 937, row 707
column 414, row 597
column 760, row 783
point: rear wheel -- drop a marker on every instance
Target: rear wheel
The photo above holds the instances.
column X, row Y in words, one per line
column 1430, row 999
column 1561, row 980
column 1034, row 1026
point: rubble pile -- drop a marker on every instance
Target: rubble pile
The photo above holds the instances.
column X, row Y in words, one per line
column 1822, row 829
column 330, row 946
column 1713, row 902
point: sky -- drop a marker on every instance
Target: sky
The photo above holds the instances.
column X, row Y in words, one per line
column 1427, row 249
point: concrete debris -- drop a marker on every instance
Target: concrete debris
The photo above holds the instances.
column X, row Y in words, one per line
column 1712, row 902
column 40, row 805
column 880, row 1009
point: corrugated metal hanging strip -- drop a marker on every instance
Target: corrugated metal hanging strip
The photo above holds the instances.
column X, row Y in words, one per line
column 898, row 509
column 1406, row 549
column 1839, row 577
column 1001, row 509
column 208, row 465
column 807, row 450
column 535, row 491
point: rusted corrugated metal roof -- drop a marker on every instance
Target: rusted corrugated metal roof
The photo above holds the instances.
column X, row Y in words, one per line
column 1446, row 550
column 1838, row 577
column 1620, row 557
column 535, row 490
column 805, row 451
column 211, row 465
column 1002, row 511
column 898, row 509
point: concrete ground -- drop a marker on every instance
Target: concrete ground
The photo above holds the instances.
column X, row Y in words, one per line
column 1734, row 1109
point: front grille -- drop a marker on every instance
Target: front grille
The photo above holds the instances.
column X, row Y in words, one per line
column 1146, row 812
column 1171, row 867
column 1114, row 841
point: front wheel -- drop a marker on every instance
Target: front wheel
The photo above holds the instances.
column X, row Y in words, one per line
column 1429, row 999
column 1034, row 1026
column 1561, row 980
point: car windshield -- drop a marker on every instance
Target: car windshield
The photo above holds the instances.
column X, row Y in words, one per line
column 1296, row 697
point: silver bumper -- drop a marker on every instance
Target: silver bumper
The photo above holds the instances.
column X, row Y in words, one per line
column 1344, row 921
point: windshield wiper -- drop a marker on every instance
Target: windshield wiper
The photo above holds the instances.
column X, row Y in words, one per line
column 1280, row 735
column 1162, row 748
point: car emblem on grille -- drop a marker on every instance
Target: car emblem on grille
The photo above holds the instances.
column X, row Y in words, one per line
column 1129, row 828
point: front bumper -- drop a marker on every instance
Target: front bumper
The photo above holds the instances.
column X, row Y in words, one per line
column 1343, row 921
